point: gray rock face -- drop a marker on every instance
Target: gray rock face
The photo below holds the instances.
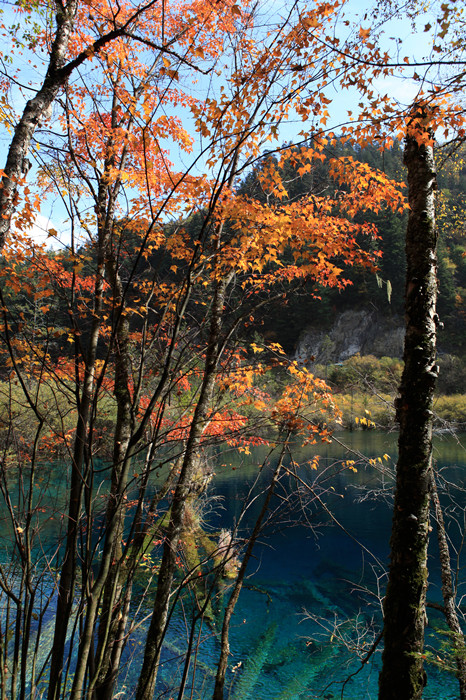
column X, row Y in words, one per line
column 365, row 332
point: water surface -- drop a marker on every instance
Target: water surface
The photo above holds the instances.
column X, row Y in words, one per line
column 311, row 605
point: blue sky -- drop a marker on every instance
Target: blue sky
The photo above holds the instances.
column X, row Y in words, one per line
column 414, row 45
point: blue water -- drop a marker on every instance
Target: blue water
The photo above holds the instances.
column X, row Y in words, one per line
column 311, row 602
column 310, row 607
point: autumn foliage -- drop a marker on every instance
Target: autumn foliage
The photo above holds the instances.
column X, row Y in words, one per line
column 124, row 352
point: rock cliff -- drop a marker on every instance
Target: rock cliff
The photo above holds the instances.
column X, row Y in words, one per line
column 364, row 331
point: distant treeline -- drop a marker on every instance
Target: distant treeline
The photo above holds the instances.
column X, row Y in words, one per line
column 308, row 306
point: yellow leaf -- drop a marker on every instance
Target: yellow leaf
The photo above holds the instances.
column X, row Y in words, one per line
column 255, row 348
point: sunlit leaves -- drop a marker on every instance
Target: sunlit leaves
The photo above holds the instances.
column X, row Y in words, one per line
column 124, row 123
column 302, row 403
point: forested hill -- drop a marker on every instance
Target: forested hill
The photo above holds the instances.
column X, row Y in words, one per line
column 302, row 303
column 384, row 291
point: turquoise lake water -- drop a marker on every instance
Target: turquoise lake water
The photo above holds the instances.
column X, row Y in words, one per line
column 310, row 605
column 310, row 608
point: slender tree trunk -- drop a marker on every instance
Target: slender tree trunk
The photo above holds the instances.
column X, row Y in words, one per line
column 17, row 164
column 105, row 209
column 403, row 676
column 448, row 592
column 109, row 575
column 68, row 571
column 112, row 621
column 224, row 641
column 157, row 628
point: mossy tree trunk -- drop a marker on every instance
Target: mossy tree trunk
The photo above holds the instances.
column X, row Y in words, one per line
column 403, row 676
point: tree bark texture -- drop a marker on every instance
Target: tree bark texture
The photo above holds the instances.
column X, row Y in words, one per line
column 17, row 164
column 403, row 676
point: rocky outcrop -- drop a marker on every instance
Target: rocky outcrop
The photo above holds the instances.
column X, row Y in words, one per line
column 365, row 332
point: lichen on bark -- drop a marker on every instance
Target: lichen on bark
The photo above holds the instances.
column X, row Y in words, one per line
column 403, row 676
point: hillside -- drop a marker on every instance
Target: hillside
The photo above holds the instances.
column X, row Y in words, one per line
column 310, row 310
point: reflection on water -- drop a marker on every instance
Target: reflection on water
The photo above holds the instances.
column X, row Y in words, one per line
column 311, row 604
column 309, row 612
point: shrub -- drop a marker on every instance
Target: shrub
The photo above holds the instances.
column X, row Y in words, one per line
column 452, row 409
column 365, row 372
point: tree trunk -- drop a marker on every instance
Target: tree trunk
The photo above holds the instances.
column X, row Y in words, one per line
column 68, row 570
column 403, row 676
column 112, row 621
column 156, row 633
column 230, row 608
column 17, row 164
column 105, row 208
